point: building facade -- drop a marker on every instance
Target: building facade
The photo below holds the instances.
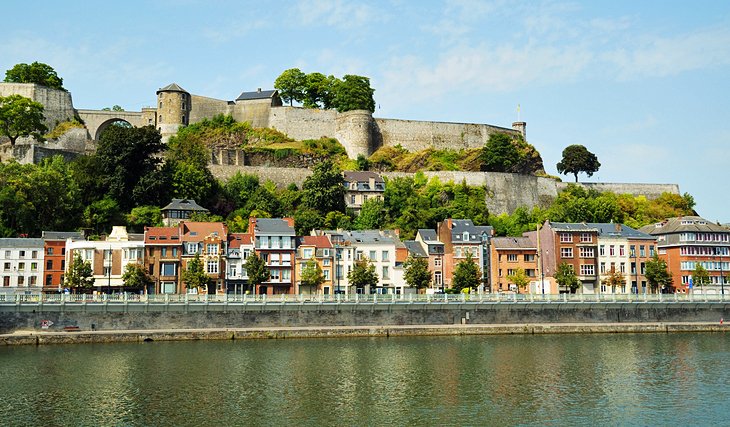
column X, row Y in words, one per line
column 275, row 243
column 22, row 265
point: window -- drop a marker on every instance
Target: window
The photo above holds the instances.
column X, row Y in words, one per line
column 622, row 267
column 603, row 267
column 632, row 251
column 168, row 268
column 621, row 250
column 529, row 257
column 212, row 267
column 49, row 251
column 586, row 252
column 566, row 237
column 437, row 262
column 457, row 252
column 307, row 253
column 587, row 269
column 602, row 250
column 63, row 264
column 372, row 256
column 192, row 248
column 174, row 252
column 21, row 266
column 641, row 251
column 386, row 273
column 385, row 255
column 49, row 264
column 326, row 262
column 88, row 254
column 233, row 269
column 21, row 254
column 612, row 250
column 437, row 278
column 163, row 252
column 326, row 274
column 212, row 248
column 63, row 251
column 21, row 280
column 566, row 252
column 586, row 237
column 34, row 254
column 651, row 251
column 33, row 266
column 32, row 280
column 107, row 271
column 633, row 268
column 512, row 257
column 49, row 280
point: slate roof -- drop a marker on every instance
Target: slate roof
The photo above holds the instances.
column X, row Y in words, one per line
column 172, row 87
column 513, row 243
column 258, row 94
column 362, row 178
column 415, row 249
column 460, row 226
column 274, row 226
column 184, row 205
column 692, row 224
column 608, row 229
column 16, row 242
column 62, row 235
column 428, row 235
column 573, row 226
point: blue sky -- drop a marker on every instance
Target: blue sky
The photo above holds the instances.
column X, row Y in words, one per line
column 644, row 85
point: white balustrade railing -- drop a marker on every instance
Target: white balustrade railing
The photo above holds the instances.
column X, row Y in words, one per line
column 410, row 298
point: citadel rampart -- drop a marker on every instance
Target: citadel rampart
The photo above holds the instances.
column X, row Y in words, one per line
column 505, row 191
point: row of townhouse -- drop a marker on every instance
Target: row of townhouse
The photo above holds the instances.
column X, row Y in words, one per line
column 593, row 251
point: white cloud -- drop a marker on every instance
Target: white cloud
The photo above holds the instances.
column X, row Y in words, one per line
column 336, row 13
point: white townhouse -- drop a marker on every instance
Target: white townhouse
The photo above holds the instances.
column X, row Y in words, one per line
column 21, row 262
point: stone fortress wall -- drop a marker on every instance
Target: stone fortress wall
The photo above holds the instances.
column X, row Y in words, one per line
column 358, row 132
column 505, row 191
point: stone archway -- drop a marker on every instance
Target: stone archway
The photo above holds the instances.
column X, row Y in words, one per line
column 105, row 125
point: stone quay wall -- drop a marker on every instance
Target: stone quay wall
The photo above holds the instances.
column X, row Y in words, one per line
column 14, row 318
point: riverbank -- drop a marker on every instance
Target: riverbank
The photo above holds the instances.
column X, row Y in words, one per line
column 42, row 338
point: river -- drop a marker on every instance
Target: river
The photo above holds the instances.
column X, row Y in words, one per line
column 628, row 379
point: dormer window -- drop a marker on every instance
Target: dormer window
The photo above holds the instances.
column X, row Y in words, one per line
column 466, row 236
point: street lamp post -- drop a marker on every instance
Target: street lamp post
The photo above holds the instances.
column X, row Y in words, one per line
column 722, row 279
column 338, row 273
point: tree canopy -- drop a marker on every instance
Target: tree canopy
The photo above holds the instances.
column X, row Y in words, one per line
column 312, row 275
column 565, row 276
column 291, row 84
column 135, row 277
column 256, row 269
column 324, row 190
column 577, row 159
column 354, row 93
column 416, row 273
column 499, row 153
column 466, row 274
column 657, row 274
column 363, row 274
column 700, row 276
column 315, row 90
column 78, row 275
column 194, row 276
column 21, row 116
column 615, row 278
column 519, row 278
column 37, row 72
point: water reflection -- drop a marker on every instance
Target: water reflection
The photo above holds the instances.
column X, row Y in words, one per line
column 643, row 379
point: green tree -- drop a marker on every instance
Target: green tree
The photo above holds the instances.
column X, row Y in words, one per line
column 312, row 275
column 371, row 215
column 194, row 276
column 306, row 220
column 189, row 181
column 566, row 278
column 144, row 216
column 37, row 72
column 700, row 276
column 79, row 275
column 466, row 275
column 256, row 269
column 114, row 108
column 500, row 154
column 336, row 219
column 363, row 164
column 125, row 156
column 363, row 274
column 317, row 91
column 614, row 278
column 135, row 277
column 657, row 274
column 21, row 116
column 291, row 85
column 324, row 190
column 519, row 278
column 416, row 273
column 101, row 215
column 576, row 159
column 354, row 93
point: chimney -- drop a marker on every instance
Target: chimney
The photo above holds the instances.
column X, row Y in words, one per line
column 258, row 90
column 252, row 226
column 289, row 221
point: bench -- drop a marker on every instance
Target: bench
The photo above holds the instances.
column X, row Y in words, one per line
column 71, row 329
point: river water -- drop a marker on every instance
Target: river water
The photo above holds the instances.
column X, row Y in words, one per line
column 631, row 379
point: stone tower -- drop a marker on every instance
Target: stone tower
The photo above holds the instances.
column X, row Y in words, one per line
column 173, row 109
